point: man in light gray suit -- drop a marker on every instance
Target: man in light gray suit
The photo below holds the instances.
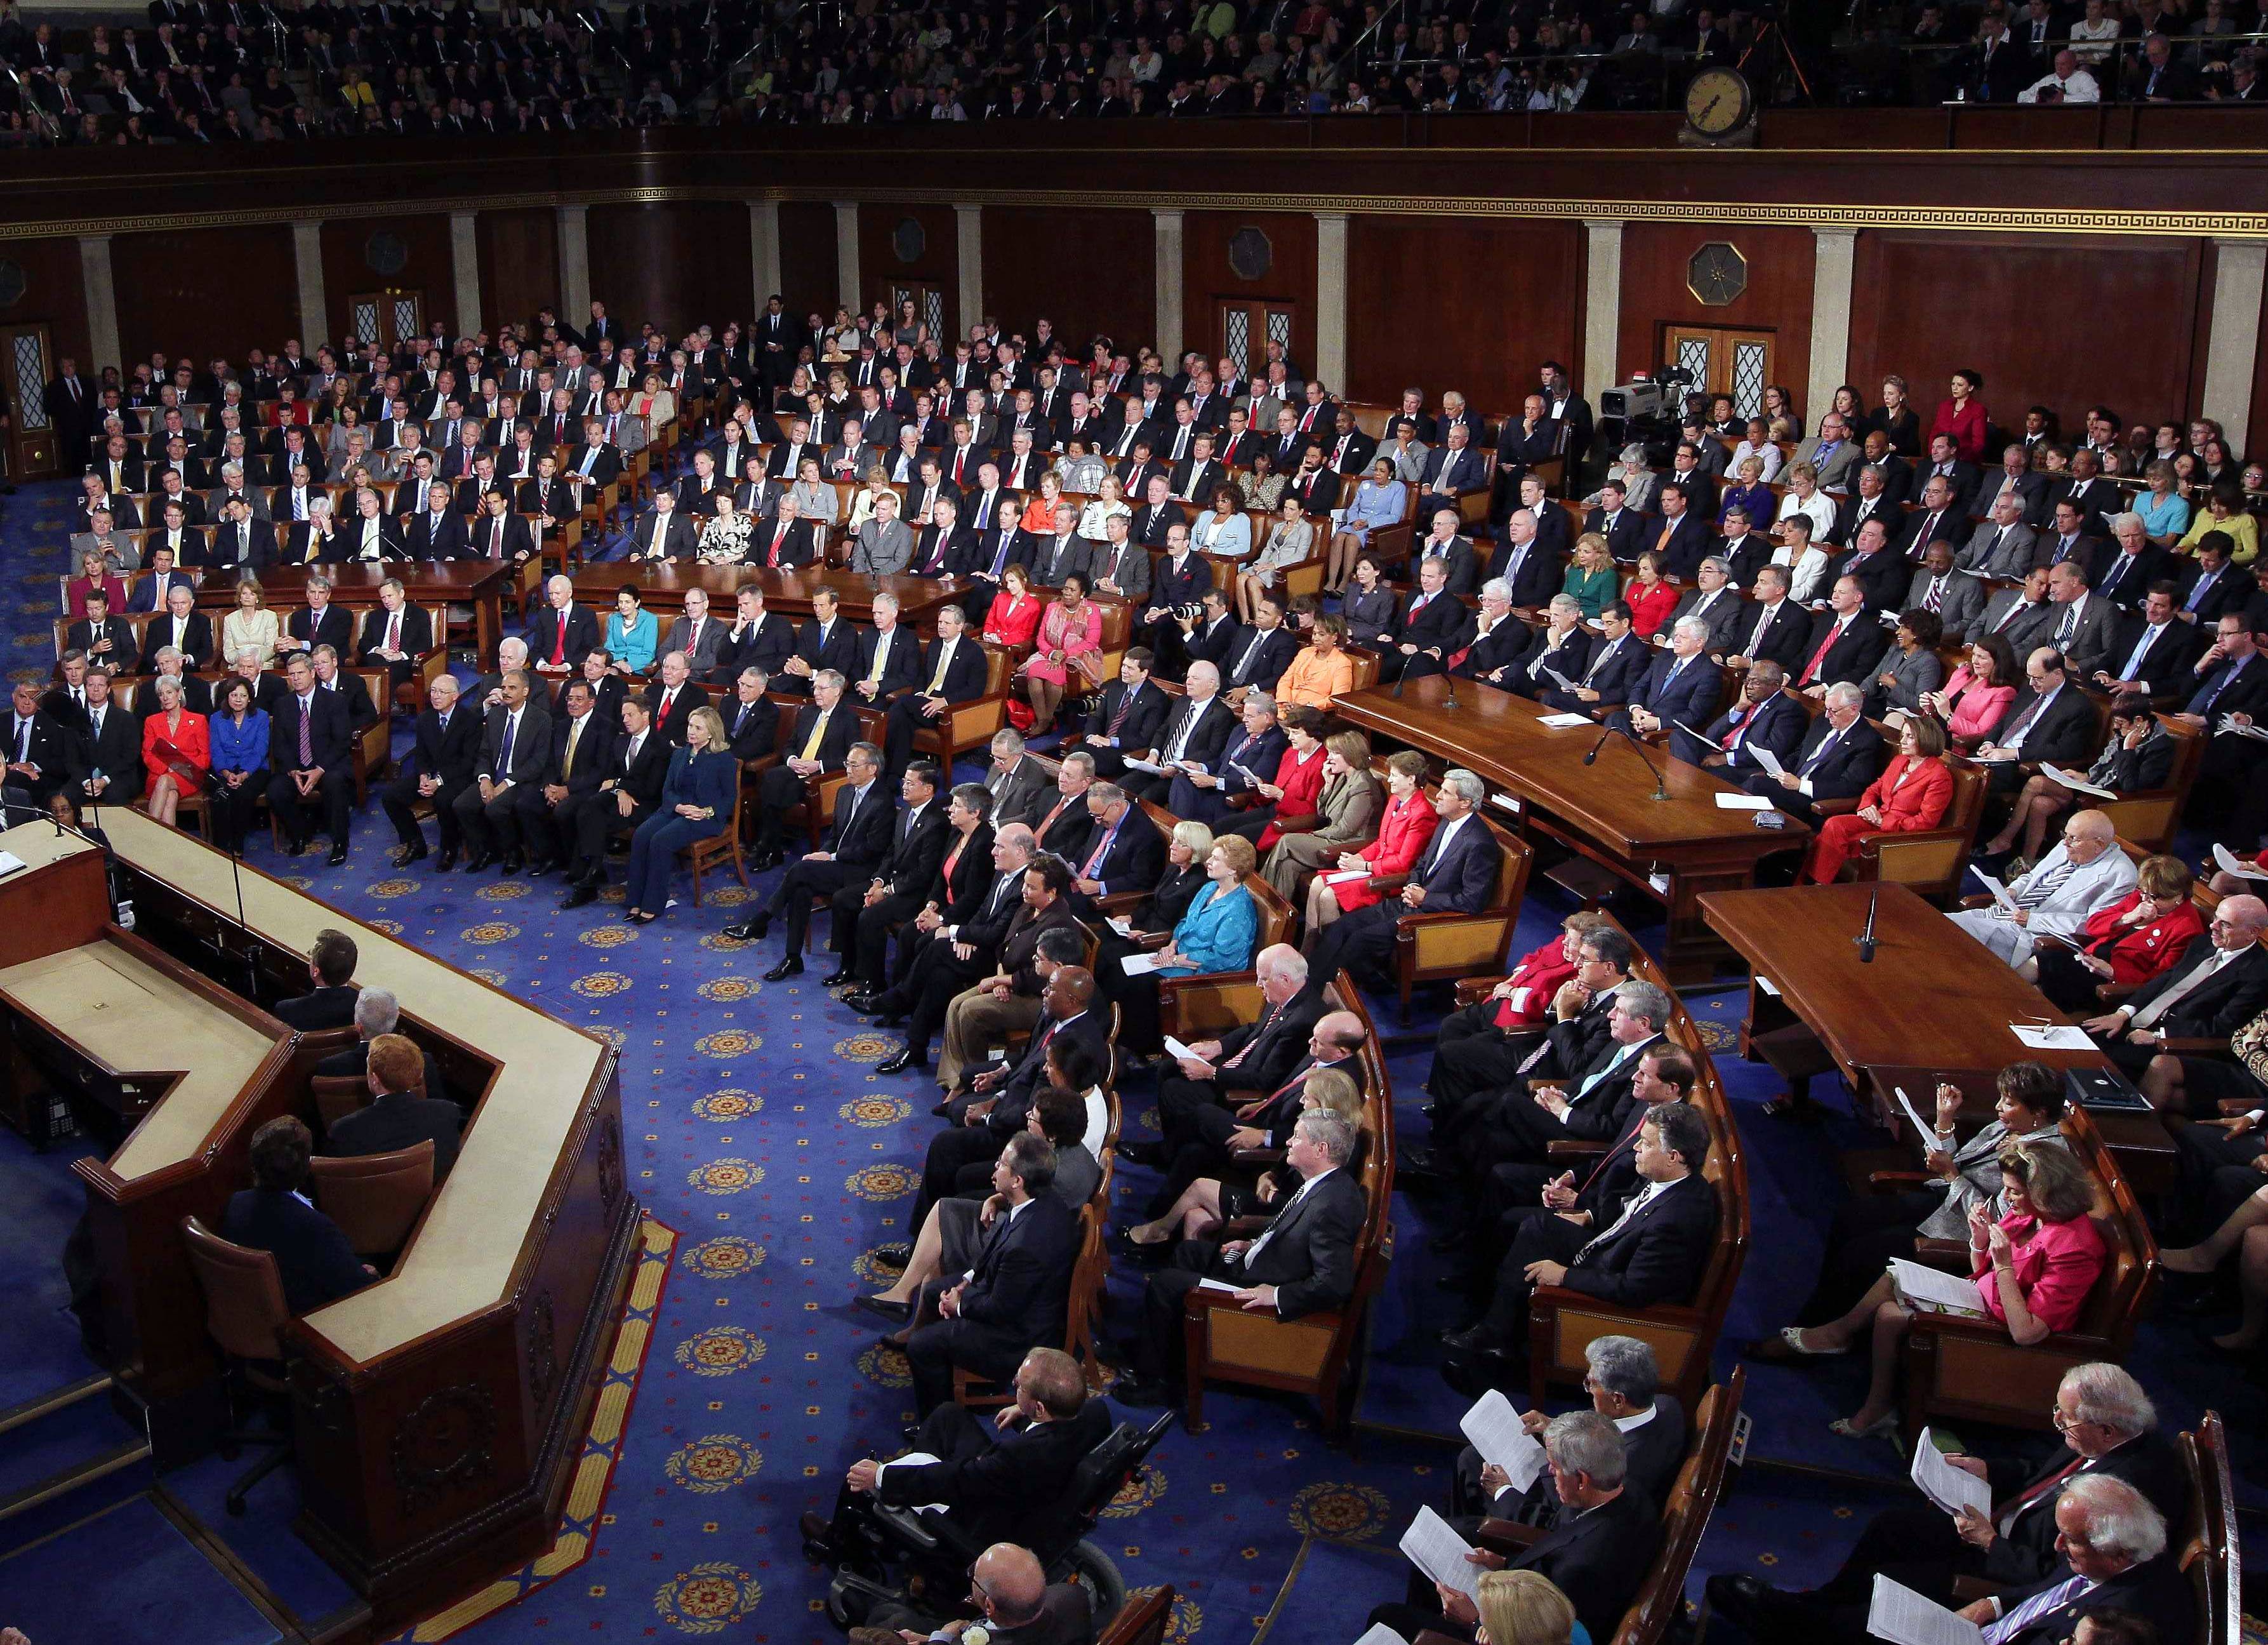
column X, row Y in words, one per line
column 1957, row 598
column 2022, row 617
column 1831, row 452
column 2086, row 871
column 697, row 633
column 1064, row 554
column 886, row 543
column 2001, row 545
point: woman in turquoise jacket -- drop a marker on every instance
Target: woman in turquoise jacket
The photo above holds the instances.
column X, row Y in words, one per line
column 1218, row 933
column 632, row 634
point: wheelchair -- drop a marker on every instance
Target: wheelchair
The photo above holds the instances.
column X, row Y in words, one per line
column 904, row 1542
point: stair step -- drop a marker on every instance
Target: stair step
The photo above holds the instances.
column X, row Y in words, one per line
column 56, row 1400
column 41, row 1491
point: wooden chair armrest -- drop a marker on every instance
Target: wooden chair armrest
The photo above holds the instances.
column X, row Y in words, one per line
column 1952, row 1255
column 1120, row 901
column 1975, row 902
column 1574, row 1148
column 1388, row 884
column 1258, row 1158
column 1472, row 990
column 1241, row 1227
column 2111, row 993
column 2196, row 1047
column 1891, row 1182
column 1550, row 1298
column 1834, row 808
column 1150, row 941
column 2231, row 1107
column 1507, row 1537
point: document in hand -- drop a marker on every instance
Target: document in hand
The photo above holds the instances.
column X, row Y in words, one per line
column 1495, row 1430
column 2228, row 862
column 1922, row 1127
column 2007, row 904
column 1179, row 1051
column 1144, row 765
column 1381, row 1634
column 1929, row 1289
column 1765, row 757
column 1439, row 1552
column 1138, row 964
column 1905, row 1618
column 2073, row 780
column 1951, row 1488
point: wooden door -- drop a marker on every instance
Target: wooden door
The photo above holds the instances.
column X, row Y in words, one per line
column 25, row 355
column 1723, row 361
column 388, row 318
column 929, row 302
column 1248, row 325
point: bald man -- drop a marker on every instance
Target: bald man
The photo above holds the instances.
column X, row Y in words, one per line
column 1020, row 1606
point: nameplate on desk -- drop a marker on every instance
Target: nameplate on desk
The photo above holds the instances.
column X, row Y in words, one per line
column 1510, row 802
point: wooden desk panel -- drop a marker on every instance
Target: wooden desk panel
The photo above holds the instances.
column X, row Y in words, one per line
column 788, row 591
column 354, row 584
column 1606, row 810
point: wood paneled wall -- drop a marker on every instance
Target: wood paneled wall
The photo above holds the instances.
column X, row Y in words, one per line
column 938, row 263
column 2064, row 323
column 1655, row 259
column 807, row 260
column 675, row 265
column 520, row 263
column 206, row 292
column 431, row 269
column 1093, row 273
column 1207, row 279
column 1439, row 305
column 54, row 291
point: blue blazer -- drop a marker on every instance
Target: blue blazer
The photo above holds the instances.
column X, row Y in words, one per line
column 236, row 748
column 1217, row 931
column 316, row 1262
column 1692, row 699
column 1778, row 724
column 633, row 646
column 711, row 781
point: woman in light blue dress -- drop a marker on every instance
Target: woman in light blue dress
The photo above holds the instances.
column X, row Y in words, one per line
column 1379, row 500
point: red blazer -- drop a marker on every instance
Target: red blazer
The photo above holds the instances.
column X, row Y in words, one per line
column 1649, row 610
column 2140, row 952
column 1403, row 833
column 1921, row 803
column 1966, row 426
column 1541, row 972
column 190, row 741
column 2057, row 1264
column 1302, row 786
column 75, row 591
column 1014, row 622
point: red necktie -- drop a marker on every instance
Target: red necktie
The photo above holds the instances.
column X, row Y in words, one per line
column 559, row 642
column 778, row 537
column 2042, row 1487
column 668, row 698
column 1733, row 732
column 1834, row 634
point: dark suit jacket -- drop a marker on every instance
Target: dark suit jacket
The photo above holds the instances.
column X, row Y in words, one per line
column 798, row 547
column 2226, row 594
column 1136, row 858
column 1540, row 572
column 2125, row 578
column 1267, row 664
column 690, row 696
column 1271, row 1045
column 971, row 878
column 1570, row 656
column 836, row 649
column 1616, row 675
column 1852, row 657
column 2155, row 1589
column 1850, row 765
column 2166, row 664
column 1625, row 538
column 1786, row 638
column 429, row 537
column 449, row 755
column 910, row 865
column 2028, row 1552
column 349, row 689
column 1009, row 1490
column 1729, row 618
column 766, row 646
column 1444, row 622
column 1599, row 1560
column 400, row 1121
column 1207, row 738
column 1020, row 1283
column 1310, row 1254
column 862, row 840
column 1778, row 723
column 319, row 1008
column 903, row 669
column 1142, row 720
column 531, row 748
column 416, row 633
column 116, row 753
column 336, row 630
column 1657, row 1256
column 2063, row 735
column 331, row 725
column 751, row 729
column 1462, row 879
column 2218, row 1006
column 592, row 765
column 312, row 1255
column 1692, row 699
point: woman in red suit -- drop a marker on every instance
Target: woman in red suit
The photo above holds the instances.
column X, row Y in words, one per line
column 2126, row 944
column 1911, row 794
column 1649, row 596
column 174, row 750
column 1961, row 415
column 1016, row 611
column 1288, row 801
column 1403, row 833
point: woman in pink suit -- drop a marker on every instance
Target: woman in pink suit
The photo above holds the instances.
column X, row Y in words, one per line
column 1911, row 794
column 1070, row 644
column 1404, row 832
column 2034, row 1264
column 1978, row 694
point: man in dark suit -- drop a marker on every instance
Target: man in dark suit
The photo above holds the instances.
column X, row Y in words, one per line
column 1456, row 874
column 660, row 533
column 102, row 762
column 785, row 542
column 330, row 1003
column 1197, row 731
column 1774, row 627
column 438, row 769
column 1623, row 526
column 310, row 755
column 1846, row 641
column 320, row 623
column 514, row 759
column 394, row 633
column 998, row 1481
column 34, row 765
column 1682, row 687
column 1840, row 755
column 2051, row 722
column 1762, row 717
column 1678, row 534
column 1015, row 1298
column 1598, row 1552
column 673, row 696
column 952, row 670
column 436, row 532
column 828, row 640
column 1623, row 1379
column 756, row 638
column 860, row 837
column 2217, row 986
column 2154, row 650
column 582, row 735
column 1436, row 625
column 824, row 730
column 630, row 792
column 400, row 1113
column 1881, row 574
column 153, row 588
column 1653, row 1249
column 1618, row 667
column 868, row 906
column 1263, row 652
column 2207, row 584
column 313, row 1256
column 104, row 638
column 2133, row 566
column 1717, row 602
column 1446, row 542
column 1245, row 1063
column 751, row 719
column 1528, row 565
column 1302, row 1262
column 1562, row 646
column 1451, row 469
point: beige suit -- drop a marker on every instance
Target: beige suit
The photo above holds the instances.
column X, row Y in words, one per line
column 1351, row 806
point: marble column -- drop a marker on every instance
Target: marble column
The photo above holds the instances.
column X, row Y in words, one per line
column 574, row 265
column 765, row 249
column 314, row 306
column 846, row 254
column 1169, row 285
column 465, row 257
column 1834, row 250
column 1331, row 299
column 2234, row 353
column 969, row 241
column 1602, row 305
column 101, row 291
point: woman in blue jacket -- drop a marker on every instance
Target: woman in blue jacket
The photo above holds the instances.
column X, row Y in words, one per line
column 696, row 803
column 1218, row 934
column 632, row 634
column 237, row 735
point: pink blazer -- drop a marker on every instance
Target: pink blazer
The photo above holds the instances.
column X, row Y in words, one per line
column 2057, row 1264
column 1980, row 707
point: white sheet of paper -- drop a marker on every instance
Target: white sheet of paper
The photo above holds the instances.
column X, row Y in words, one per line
column 1559, row 679
column 1494, row 1428
column 1922, row 1127
column 1144, row 765
column 1918, row 1284
column 2000, row 891
column 1510, row 802
column 1560, row 722
column 1765, row 757
column 1951, row 1488
column 1767, row 985
column 1439, row 1552
column 2228, row 725
column 1381, row 1634
column 9, row 862
column 2224, row 858
column 1346, row 874
column 1098, row 1121
column 1521, row 997
column 2052, row 1037
column 1742, row 802
column 1702, row 737
column 1138, row 964
column 1904, row 1617
column 1122, row 925
column 1217, row 1285
column 1177, row 1051
column 2073, row 780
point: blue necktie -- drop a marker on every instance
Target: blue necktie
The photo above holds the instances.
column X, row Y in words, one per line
column 504, row 751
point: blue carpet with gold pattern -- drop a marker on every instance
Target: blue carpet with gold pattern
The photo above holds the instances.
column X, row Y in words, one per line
column 772, row 1159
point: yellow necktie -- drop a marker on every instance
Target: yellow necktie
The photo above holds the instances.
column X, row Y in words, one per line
column 817, row 730
column 874, row 674
column 936, row 681
column 567, row 760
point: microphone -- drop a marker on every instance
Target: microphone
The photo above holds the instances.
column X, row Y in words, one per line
column 1661, row 783
column 1865, row 939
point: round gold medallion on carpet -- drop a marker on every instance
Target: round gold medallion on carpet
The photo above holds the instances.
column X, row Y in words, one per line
column 882, row 1182
column 489, row 933
column 716, row 1463
column 1138, row 1492
column 725, row 1177
column 391, row 888
column 493, row 978
column 1351, row 1513
column 707, row 1599
column 728, row 1105
column 600, row 984
column 605, row 936
column 728, row 1257
column 720, row 1351
column 885, row 1368
column 871, row 1113
column 729, row 1043
column 391, row 927
column 718, row 942
column 728, row 991
column 868, row 1047
column 503, row 891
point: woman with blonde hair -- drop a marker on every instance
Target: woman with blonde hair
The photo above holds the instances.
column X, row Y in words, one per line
column 1523, row 1608
column 251, row 624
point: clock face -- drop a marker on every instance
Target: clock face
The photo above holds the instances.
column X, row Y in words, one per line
column 1718, row 274
column 1716, row 102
